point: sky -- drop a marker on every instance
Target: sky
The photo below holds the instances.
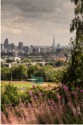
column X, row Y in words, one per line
column 35, row 22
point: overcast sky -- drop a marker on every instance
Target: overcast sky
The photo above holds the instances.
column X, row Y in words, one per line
column 35, row 22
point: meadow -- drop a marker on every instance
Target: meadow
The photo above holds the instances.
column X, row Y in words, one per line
column 39, row 106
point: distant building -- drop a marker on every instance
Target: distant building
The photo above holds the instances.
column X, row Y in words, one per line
column 43, row 50
column 36, row 50
column 6, row 44
column 25, row 49
column 58, row 46
column 15, row 56
column 2, row 47
column 20, row 45
column 6, row 64
column 30, row 50
column 53, row 45
column 12, row 46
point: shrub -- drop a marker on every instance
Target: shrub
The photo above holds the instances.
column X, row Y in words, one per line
column 43, row 111
column 9, row 96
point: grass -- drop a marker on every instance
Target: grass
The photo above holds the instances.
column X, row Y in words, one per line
column 27, row 85
column 18, row 84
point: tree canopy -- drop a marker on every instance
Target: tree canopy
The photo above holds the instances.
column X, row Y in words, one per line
column 75, row 70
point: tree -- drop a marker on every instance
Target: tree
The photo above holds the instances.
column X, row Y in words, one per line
column 5, row 73
column 34, row 70
column 75, row 70
column 19, row 72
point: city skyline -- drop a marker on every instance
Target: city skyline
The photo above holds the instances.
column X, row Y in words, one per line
column 35, row 22
column 53, row 44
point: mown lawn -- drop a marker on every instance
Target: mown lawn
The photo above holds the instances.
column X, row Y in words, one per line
column 27, row 85
column 18, row 84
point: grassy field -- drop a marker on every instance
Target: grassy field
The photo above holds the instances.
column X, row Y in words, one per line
column 18, row 84
column 26, row 84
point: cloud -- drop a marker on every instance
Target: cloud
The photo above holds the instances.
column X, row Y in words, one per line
column 36, row 18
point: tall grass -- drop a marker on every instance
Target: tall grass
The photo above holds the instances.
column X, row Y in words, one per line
column 67, row 109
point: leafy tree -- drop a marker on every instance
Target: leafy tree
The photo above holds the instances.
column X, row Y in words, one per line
column 19, row 72
column 34, row 70
column 5, row 73
column 75, row 70
column 60, row 63
column 47, row 72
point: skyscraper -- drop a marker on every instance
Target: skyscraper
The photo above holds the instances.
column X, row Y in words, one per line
column 6, row 44
column 53, row 45
column 12, row 46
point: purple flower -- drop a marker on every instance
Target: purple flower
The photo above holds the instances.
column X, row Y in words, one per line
column 35, row 97
column 52, row 102
column 69, row 103
column 52, row 109
column 61, row 84
column 40, row 94
column 58, row 96
column 81, row 91
column 74, row 93
column 30, row 93
column 49, row 101
column 65, row 87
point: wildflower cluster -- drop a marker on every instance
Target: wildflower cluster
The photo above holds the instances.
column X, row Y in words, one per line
column 43, row 110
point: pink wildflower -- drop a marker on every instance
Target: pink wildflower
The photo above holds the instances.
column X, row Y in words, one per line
column 65, row 87
column 73, row 109
column 81, row 91
column 40, row 94
column 74, row 93
column 30, row 93
column 58, row 96
column 61, row 84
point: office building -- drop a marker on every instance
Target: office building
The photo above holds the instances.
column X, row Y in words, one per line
column 6, row 44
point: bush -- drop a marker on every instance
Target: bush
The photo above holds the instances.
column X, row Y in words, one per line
column 48, row 111
column 9, row 96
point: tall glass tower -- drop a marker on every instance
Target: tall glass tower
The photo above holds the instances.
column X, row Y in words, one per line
column 53, row 44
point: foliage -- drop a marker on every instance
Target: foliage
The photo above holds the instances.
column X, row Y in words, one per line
column 52, row 75
column 47, row 111
column 48, row 72
column 9, row 96
column 60, row 63
column 25, row 60
column 34, row 70
column 16, row 72
column 75, row 69
column 19, row 72
column 5, row 73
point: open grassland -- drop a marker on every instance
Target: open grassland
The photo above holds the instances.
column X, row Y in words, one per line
column 27, row 85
